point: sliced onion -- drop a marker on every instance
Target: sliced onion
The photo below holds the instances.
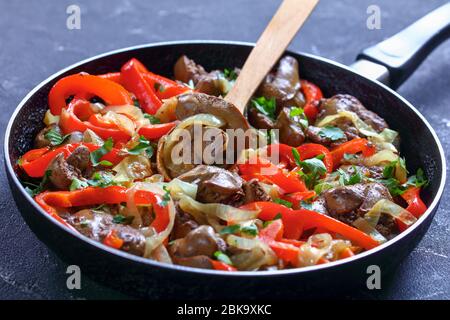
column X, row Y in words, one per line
column 90, row 136
column 124, row 123
column 160, row 254
column 382, row 157
column 388, row 207
column 49, row 118
column 166, row 113
column 364, row 226
column 383, row 139
column 132, row 112
column 217, row 210
column 252, row 253
column 131, row 168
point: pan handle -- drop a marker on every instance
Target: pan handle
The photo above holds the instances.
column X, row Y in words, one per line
column 396, row 58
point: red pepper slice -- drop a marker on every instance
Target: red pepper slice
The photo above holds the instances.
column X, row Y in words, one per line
column 156, row 131
column 415, row 204
column 112, row 240
column 109, row 91
column 132, row 77
column 297, row 197
column 352, row 147
column 219, row 265
column 110, row 195
column 297, row 220
column 164, row 88
column 36, row 161
column 306, row 151
column 313, row 94
column 264, row 170
column 78, row 109
column 271, row 235
column 112, row 76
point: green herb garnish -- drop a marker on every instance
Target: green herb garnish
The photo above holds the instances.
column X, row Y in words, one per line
column 36, row 189
column 265, row 106
column 283, row 202
column 165, row 197
column 347, row 179
column 332, row 133
column 230, row 74
column 152, row 118
column 55, row 137
column 223, row 257
column 101, row 179
column 121, row 219
column 78, row 184
column 100, row 152
column 143, row 146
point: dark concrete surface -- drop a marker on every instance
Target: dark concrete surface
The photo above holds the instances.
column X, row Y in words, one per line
column 34, row 43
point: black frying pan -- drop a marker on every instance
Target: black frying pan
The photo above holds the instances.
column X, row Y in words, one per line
column 391, row 61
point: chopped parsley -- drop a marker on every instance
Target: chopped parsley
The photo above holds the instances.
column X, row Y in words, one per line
column 143, row 146
column 251, row 229
column 100, row 152
column 332, row 133
column 165, row 197
column 136, row 103
column 265, row 106
column 121, row 219
column 55, row 137
column 230, row 74
column 223, row 257
column 159, row 87
column 36, row 189
column 78, row 184
column 299, row 116
column 283, row 202
column 312, row 169
column 101, row 179
column 347, row 179
column 152, row 118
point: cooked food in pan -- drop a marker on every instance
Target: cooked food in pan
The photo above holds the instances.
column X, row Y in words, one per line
column 155, row 167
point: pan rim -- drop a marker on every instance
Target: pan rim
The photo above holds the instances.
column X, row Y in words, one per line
column 155, row 264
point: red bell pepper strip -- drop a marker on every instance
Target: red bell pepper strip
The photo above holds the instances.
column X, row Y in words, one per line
column 78, row 109
column 271, row 235
column 219, row 265
column 352, row 147
column 164, row 88
column 264, row 170
column 112, row 76
column 313, row 94
column 109, row 91
column 132, row 77
column 305, row 219
column 36, row 161
column 112, row 240
column 306, row 151
column 415, row 204
column 156, row 131
column 110, row 195
column 297, row 197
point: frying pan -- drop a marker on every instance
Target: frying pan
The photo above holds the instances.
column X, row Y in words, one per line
column 391, row 62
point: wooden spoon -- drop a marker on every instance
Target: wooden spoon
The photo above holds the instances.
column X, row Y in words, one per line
column 280, row 31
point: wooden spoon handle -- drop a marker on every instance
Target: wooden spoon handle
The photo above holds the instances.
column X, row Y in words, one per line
column 280, row 31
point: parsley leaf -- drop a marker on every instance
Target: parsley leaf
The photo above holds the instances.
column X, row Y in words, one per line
column 78, row 184
column 152, row 118
column 223, row 257
column 143, row 145
column 100, row 152
column 230, row 74
column 283, row 202
column 312, row 168
column 332, row 133
column 417, row 180
column 347, row 179
column 101, row 179
column 55, row 137
column 265, row 106
column 235, row 228
column 159, row 87
column 121, row 219
column 165, row 197
column 38, row 188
